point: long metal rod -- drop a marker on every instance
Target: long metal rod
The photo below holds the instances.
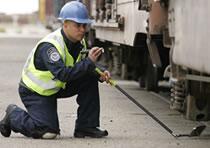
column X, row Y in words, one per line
column 195, row 132
column 144, row 109
column 112, row 82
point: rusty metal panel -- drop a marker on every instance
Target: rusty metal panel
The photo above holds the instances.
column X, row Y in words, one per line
column 158, row 18
column 191, row 31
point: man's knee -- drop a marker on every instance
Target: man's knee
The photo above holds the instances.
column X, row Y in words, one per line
column 49, row 136
column 43, row 134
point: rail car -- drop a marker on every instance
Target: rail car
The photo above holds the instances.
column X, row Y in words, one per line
column 122, row 29
column 188, row 24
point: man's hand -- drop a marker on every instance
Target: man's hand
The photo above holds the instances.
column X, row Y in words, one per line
column 105, row 76
column 94, row 53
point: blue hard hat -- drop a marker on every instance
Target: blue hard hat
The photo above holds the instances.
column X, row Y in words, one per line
column 75, row 11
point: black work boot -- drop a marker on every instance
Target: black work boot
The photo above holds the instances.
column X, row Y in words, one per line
column 90, row 132
column 5, row 122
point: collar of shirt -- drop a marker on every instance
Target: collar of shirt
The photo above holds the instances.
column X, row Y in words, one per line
column 70, row 45
column 73, row 48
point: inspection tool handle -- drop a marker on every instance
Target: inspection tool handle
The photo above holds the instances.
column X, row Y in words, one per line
column 86, row 51
column 110, row 81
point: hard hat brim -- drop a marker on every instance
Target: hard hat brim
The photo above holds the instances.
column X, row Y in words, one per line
column 81, row 21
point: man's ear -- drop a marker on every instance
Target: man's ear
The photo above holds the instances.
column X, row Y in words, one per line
column 65, row 24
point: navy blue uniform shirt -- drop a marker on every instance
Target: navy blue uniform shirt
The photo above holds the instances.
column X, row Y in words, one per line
column 48, row 58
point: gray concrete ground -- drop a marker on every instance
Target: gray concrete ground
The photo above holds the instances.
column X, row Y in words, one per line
column 128, row 126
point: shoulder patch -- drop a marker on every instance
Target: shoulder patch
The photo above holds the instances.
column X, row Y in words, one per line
column 53, row 54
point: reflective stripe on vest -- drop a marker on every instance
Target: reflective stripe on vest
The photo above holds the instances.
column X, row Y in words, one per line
column 43, row 82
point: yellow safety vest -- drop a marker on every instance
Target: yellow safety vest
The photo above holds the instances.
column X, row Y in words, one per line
column 43, row 82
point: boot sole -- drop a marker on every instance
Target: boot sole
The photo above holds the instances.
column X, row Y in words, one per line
column 83, row 135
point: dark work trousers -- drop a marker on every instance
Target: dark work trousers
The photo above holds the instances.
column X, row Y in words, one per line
column 41, row 115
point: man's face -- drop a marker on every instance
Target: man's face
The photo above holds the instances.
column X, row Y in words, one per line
column 74, row 31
